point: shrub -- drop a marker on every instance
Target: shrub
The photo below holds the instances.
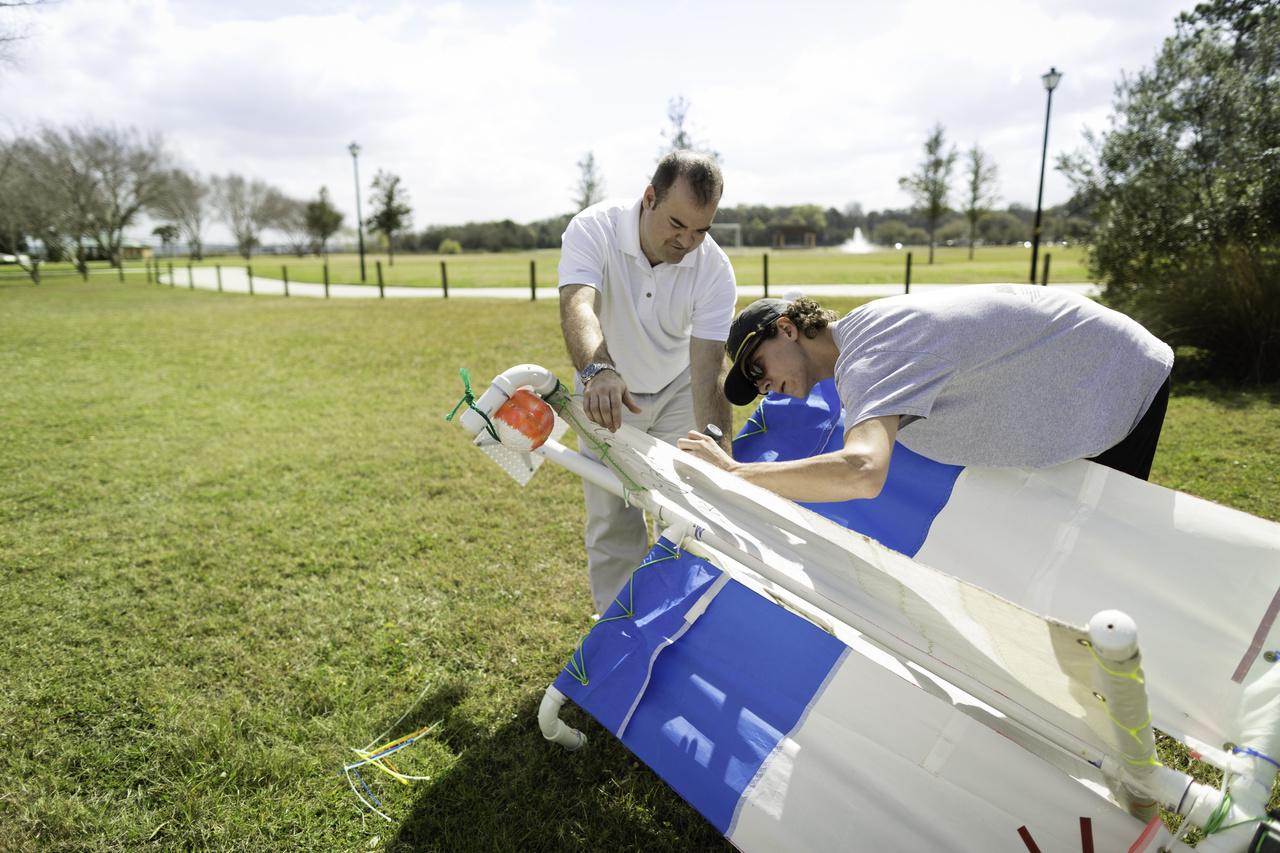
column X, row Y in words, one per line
column 449, row 246
column 1185, row 188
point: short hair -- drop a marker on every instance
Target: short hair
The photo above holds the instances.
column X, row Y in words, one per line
column 809, row 317
column 700, row 171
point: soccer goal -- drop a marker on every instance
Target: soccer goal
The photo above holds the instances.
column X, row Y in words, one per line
column 727, row 234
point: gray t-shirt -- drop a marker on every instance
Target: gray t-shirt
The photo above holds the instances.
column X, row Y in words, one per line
column 999, row 375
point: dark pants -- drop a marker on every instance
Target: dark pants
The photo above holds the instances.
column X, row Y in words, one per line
column 1134, row 453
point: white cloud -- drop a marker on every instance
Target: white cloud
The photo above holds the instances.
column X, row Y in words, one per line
column 484, row 108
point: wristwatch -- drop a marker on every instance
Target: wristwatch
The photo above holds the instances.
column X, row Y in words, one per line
column 589, row 372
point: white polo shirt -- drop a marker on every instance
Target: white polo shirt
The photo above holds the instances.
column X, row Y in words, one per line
column 647, row 313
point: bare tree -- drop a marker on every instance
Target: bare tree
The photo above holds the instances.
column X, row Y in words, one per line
column 292, row 223
column 322, row 220
column 980, row 189
column 11, row 31
column 32, row 205
column 391, row 210
column 931, row 184
column 590, row 183
column 61, row 170
column 679, row 137
column 184, row 200
column 248, row 207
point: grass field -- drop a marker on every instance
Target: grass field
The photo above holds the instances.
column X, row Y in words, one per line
column 237, row 537
column 816, row 266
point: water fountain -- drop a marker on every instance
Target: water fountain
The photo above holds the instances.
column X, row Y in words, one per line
column 857, row 244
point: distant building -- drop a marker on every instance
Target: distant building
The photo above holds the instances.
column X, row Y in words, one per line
column 793, row 237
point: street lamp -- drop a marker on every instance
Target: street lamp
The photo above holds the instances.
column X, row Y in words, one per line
column 355, row 165
column 1050, row 81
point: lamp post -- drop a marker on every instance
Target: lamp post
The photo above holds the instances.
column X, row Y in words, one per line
column 1050, row 81
column 355, row 165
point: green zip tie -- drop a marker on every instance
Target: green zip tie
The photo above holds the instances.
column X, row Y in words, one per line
column 469, row 400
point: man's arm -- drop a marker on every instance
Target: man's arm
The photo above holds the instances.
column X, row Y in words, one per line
column 858, row 470
column 606, row 393
column 706, row 373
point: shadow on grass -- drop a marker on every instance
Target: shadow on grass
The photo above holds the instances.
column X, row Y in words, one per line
column 1233, row 396
column 512, row 790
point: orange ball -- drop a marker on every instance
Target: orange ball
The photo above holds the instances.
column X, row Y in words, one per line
column 524, row 421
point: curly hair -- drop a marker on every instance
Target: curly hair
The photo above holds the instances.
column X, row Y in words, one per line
column 809, row 317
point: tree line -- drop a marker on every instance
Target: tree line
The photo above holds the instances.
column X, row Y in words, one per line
column 73, row 192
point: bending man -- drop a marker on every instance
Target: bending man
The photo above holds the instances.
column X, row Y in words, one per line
column 996, row 375
column 646, row 299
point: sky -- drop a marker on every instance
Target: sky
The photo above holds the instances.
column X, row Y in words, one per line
column 485, row 108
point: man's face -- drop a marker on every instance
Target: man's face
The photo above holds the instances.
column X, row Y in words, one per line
column 780, row 364
column 675, row 226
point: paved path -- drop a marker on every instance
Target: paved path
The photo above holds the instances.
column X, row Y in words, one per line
column 236, row 280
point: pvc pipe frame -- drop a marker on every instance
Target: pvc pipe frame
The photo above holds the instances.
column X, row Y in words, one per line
column 1176, row 790
column 553, row 728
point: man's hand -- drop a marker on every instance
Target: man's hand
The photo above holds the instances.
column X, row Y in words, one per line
column 604, row 397
column 707, row 449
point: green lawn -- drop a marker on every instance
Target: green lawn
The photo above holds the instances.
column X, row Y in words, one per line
column 237, row 537
column 813, row 266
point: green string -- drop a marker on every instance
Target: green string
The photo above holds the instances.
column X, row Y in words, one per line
column 1132, row 675
column 577, row 665
column 1214, row 824
column 559, row 400
column 469, row 400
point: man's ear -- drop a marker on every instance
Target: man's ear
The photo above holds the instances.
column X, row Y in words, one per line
column 788, row 328
column 650, row 197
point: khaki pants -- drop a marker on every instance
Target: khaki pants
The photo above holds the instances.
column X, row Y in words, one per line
column 617, row 536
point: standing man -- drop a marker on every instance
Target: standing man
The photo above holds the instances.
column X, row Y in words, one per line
column 1000, row 375
column 646, row 299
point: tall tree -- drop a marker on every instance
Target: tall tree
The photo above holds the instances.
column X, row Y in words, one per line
column 679, row 136
column 248, row 208
column 391, row 210
column 930, row 185
column 980, row 189
column 322, row 220
column 168, row 234
column 590, row 183
column 1185, row 189
column 184, row 200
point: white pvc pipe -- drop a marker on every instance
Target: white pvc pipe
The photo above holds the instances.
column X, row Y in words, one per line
column 596, row 473
column 1118, row 682
column 553, row 728
column 506, row 383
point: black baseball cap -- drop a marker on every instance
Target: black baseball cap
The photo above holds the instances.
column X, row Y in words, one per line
column 748, row 331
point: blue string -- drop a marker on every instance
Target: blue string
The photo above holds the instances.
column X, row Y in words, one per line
column 360, row 779
column 1244, row 750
